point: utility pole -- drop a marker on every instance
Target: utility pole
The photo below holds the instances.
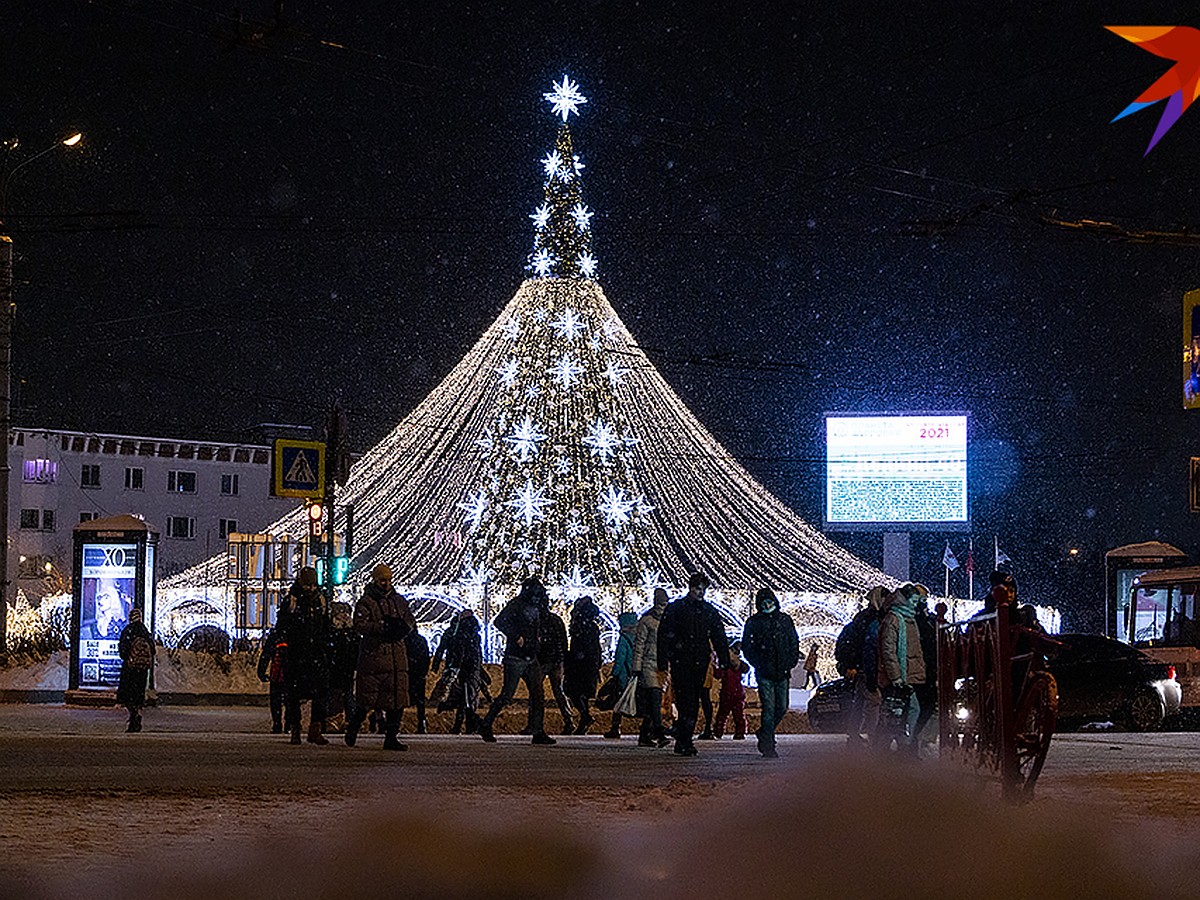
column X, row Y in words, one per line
column 6, row 322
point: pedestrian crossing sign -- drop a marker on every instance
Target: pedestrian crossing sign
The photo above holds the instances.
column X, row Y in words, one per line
column 298, row 469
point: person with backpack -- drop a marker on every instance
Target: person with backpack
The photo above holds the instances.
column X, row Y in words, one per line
column 772, row 646
column 856, row 656
column 136, row 649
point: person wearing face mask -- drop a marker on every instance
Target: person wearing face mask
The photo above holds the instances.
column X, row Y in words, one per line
column 771, row 644
column 650, row 679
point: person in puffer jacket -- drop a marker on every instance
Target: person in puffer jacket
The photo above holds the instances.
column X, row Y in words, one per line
column 901, row 668
column 650, row 679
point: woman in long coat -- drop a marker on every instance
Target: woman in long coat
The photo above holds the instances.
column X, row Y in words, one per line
column 583, row 660
column 383, row 619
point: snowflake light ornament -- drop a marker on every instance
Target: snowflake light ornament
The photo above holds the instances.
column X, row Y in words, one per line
column 587, row 265
column 552, row 162
column 543, row 261
column 541, row 216
column 602, row 440
column 615, row 507
column 525, row 439
column 508, row 373
column 576, row 582
column 524, row 552
column 475, row 506
column 529, row 503
column 565, row 371
column 582, row 216
column 615, row 372
column 475, row 575
column 565, row 98
column 569, row 326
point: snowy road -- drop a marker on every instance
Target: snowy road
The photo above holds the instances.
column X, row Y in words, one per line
column 202, row 789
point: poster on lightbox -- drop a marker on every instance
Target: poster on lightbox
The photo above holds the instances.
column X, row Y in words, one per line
column 107, row 580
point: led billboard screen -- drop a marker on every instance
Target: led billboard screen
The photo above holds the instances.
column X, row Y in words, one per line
column 906, row 471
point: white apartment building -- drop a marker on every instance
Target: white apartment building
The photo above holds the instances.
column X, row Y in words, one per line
column 193, row 493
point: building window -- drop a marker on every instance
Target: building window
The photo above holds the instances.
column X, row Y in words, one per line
column 135, row 478
column 227, row 526
column 90, row 476
column 31, row 519
column 40, row 471
column 229, row 484
column 181, row 482
column 47, row 520
column 88, row 516
column 181, row 527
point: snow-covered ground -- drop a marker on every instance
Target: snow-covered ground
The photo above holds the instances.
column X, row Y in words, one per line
column 205, row 805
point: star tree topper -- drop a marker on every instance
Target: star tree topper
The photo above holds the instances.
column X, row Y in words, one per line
column 565, row 98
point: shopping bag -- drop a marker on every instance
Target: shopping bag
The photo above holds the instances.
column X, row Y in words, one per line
column 627, row 705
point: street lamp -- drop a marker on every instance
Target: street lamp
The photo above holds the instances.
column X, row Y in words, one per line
column 7, row 311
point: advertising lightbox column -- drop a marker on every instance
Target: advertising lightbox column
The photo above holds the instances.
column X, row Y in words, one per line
column 114, row 575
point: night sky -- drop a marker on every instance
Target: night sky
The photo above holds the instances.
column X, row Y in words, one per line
column 839, row 208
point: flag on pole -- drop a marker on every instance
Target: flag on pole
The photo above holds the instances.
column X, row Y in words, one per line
column 969, row 568
column 1001, row 556
column 948, row 558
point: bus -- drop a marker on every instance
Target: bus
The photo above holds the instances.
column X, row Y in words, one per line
column 1161, row 620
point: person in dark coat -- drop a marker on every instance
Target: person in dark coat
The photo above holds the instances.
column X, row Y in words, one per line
column 772, row 646
column 135, row 646
column 382, row 619
column 857, row 655
column 520, row 622
column 461, row 647
column 303, row 623
column 582, row 667
column 270, row 669
column 417, row 649
column 690, row 632
column 552, row 654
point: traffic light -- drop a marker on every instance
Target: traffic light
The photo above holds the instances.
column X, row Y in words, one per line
column 341, row 569
column 316, row 520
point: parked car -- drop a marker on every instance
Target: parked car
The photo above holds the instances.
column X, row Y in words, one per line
column 1099, row 679
column 829, row 705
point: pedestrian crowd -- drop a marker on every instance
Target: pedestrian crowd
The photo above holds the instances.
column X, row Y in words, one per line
column 371, row 663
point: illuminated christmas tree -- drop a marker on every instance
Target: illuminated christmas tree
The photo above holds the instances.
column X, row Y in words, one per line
column 555, row 447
